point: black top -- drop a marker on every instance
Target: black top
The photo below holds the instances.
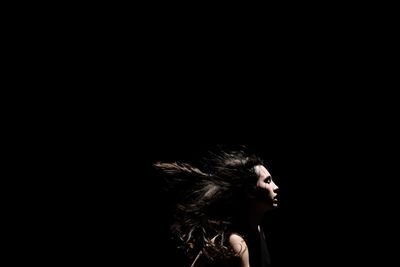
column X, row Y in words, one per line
column 265, row 258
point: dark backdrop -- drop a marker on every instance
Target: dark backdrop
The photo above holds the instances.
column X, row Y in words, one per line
column 118, row 212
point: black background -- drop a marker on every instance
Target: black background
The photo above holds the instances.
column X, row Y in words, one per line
column 314, row 98
column 328, row 202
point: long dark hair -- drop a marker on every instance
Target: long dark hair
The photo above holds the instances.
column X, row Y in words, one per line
column 208, row 196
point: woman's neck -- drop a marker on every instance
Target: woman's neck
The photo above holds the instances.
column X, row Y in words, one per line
column 251, row 216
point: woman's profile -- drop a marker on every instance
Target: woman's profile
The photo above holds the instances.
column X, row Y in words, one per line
column 220, row 204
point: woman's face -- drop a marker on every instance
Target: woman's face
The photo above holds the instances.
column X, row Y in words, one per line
column 266, row 186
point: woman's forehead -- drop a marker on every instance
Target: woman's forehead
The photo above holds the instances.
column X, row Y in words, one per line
column 261, row 171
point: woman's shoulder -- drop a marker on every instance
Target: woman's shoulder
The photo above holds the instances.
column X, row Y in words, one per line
column 238, row 243
column 239, row 246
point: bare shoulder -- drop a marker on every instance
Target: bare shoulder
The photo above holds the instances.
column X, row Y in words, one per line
column 238, row 244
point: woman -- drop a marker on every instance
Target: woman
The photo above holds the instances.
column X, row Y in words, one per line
column 220, row 207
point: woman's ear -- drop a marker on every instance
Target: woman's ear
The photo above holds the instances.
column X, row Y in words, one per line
column 251, row 192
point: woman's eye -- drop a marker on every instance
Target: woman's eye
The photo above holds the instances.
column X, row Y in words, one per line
column 268, row 180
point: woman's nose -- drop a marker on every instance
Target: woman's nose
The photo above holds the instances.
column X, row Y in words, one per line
column 276, row 188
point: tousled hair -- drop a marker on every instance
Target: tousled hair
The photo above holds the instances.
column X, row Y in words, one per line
column 209, row 195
